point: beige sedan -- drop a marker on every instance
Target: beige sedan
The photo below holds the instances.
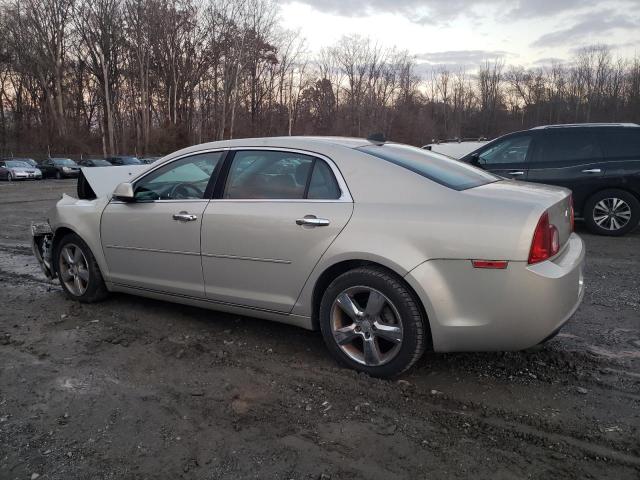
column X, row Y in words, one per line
column 388, row 249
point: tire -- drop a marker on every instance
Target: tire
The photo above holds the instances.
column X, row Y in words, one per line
column 609, row 207
column 399, row 318
column 58, row 175
column 9, row 177
column 91, row 287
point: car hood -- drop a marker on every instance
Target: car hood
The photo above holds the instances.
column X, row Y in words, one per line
column 104, row 180
column 24, row 170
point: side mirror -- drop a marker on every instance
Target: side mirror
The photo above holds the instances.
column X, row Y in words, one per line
column 474, row 159
column 124, row 192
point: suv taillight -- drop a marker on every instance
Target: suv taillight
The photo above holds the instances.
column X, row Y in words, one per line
column 572, row 213
column 546, row 241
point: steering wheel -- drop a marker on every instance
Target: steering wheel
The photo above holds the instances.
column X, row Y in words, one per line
column 185, row 191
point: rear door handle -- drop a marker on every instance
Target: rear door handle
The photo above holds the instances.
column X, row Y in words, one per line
column 516, row 173
column 592, row 170
column 313, row 221
column 184, row 217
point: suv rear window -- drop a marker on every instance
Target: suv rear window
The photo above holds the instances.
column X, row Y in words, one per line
column 443, row 170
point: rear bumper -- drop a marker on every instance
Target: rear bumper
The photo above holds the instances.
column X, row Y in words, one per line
column 473, row 309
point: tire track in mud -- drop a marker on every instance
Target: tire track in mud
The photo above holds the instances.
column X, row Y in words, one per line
column 454, row 413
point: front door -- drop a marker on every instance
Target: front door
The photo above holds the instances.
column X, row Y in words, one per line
column 277, row 214
column 154, row 242
column 508, row 157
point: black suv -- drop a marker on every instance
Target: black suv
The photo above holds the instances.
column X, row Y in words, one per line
column 600, row 163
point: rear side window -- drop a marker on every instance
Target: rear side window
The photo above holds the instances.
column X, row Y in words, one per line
column 279, row 175
column 621, row 143
column 568, row 145
column 443, row 170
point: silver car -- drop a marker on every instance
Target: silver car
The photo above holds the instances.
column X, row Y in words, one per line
column 389, row 250
column 18, row 169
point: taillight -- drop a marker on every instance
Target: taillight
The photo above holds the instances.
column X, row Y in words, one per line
column 572, row 213
column 546, row 241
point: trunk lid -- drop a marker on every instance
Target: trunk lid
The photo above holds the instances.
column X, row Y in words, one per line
column 532, row 200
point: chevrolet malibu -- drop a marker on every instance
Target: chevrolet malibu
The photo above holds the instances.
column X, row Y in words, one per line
column 387, row 249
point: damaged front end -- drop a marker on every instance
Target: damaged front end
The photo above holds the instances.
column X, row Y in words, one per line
column 41, row 243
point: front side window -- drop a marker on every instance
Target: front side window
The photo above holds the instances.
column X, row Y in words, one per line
column 510, row 150
column 263, row 174
column 183, row 179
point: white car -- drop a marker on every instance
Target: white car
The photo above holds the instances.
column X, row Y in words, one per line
column 389, row 250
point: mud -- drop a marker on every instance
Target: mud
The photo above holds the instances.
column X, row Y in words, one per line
column 141, row 389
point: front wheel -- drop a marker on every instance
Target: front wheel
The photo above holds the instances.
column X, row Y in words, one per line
column 371, row 322
column 612, row 212
column 58, row 175
column 9, row 177
column 78, row 270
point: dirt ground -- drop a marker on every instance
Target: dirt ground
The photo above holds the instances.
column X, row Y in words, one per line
column 140, row 389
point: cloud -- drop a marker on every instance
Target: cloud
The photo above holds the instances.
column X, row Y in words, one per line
column 589, row 25
column 462, row 57
column 437, row 11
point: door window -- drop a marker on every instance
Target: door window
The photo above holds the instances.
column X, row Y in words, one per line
column 257, row 174
column 510, row 150
column 182, row 179
column 568, row 145
column 622, row 143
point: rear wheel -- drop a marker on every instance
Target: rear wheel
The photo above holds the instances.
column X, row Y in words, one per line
column 371, row 322
column 78, row 270
column 612, row 212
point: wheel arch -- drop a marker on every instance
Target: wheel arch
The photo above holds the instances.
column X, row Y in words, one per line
column 334, row 271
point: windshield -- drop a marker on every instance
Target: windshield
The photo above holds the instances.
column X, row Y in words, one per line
column 17, row 164
column 128, row 161
column 439, row 168
column 64, row 162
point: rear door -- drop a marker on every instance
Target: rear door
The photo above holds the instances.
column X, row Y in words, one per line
column 269, row 224
column 568, row 157
column 508, row 156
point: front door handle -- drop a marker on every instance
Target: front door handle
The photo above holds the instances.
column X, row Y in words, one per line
column 516, row 173
column 313, row 221
column 184, row 217
column 592, row 170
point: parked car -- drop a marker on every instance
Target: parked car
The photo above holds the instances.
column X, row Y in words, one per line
column 600, row 163
column 13, row 169
column 94, row 162
column 60, row 168
column 388, row 249
column 124, row 160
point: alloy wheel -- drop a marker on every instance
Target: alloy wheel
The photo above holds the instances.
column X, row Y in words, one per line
column 74, row 269
column 366, row 326
column 611, row 213
column 9, row 177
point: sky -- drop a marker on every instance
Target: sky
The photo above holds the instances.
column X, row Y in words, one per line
column 464, row 33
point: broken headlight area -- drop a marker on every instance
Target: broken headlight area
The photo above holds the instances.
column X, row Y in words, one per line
column 41, row 243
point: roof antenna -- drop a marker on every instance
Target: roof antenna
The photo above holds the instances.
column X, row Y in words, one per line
column 377, row 138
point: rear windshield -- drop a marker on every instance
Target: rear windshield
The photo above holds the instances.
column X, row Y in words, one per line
column 439, row 168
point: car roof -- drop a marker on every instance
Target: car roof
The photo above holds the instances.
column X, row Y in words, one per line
column 587, row 125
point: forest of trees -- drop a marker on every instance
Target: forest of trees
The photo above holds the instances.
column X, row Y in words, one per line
column 150, row 76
